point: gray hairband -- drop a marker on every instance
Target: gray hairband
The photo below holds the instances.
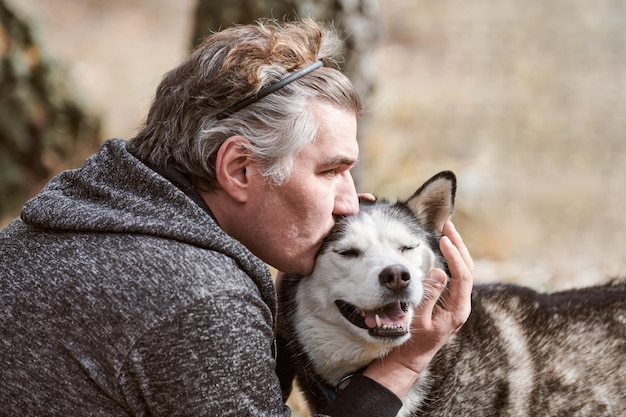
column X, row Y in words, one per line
column 268, row 90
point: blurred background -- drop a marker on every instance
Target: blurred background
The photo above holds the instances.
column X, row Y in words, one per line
column 525, row 101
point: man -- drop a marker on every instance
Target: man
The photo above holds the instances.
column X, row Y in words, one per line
column 137, row 285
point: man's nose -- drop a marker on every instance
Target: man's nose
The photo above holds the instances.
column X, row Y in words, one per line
column 346, row 200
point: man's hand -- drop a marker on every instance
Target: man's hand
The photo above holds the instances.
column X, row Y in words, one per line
column 435, row 321
column 367, row 196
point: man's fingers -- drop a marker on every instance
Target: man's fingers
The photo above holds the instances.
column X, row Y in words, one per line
column 367, row 196
column 458, row 298
column 456, row 263
column 450, row 231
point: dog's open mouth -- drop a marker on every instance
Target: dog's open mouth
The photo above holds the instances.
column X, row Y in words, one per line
column 390, row 320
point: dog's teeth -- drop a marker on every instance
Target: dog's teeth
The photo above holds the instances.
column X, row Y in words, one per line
column 378, row 322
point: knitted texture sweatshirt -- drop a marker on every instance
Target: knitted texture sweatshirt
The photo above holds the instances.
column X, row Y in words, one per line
column 120, row 296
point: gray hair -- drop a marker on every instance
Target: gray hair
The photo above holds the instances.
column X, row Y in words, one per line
column 181, row 129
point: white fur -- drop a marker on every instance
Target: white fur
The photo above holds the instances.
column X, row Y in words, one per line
column 335, row 345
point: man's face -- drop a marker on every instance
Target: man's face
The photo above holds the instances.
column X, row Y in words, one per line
column 289, row 222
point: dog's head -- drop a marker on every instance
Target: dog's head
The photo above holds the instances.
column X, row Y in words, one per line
column 369, row 274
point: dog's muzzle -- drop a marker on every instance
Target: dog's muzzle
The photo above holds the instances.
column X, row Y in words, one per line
column 390, row 320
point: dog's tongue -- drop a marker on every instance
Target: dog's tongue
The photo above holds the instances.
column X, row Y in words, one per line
column 390, row 315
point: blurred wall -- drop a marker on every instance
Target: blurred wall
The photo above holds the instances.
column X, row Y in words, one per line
column 526, row 101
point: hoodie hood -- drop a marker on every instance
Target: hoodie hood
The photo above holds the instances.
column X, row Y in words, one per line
column 114, row 192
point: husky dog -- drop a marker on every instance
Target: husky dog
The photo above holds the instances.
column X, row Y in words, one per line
column 520, row 353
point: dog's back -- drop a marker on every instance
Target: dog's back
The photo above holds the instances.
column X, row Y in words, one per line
column 521, row 353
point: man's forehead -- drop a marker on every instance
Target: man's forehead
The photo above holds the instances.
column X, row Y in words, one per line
column 344, row 152
column 335, row 142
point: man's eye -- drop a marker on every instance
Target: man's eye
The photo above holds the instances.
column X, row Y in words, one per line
column 349, row 253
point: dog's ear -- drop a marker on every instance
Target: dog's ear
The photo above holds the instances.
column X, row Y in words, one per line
column 433, row 202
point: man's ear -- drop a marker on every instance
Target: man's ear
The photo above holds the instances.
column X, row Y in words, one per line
column 231, row 168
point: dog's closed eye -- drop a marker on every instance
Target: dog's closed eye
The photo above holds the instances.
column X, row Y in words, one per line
column 406, row 248
column 349, row 253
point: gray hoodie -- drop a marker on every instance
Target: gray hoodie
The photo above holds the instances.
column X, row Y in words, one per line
column 121, row 296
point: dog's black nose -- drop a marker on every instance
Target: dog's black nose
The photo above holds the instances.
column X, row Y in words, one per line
column 395, row 277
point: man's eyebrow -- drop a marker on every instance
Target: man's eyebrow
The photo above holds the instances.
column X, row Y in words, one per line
column 341, row 160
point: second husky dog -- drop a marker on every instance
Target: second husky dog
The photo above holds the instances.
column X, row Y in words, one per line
column 521, row 353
